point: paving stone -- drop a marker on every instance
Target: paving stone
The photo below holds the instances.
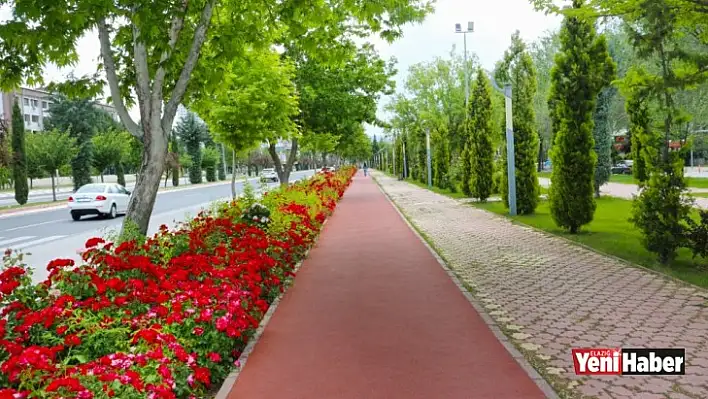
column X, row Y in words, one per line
column 563, row 295
column 520, row 336
column 530, row 346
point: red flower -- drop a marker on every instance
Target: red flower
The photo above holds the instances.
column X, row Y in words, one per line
column 72, row 384
column 72, row 340
column 94, row 242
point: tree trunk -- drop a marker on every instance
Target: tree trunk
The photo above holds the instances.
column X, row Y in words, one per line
column 120, row 174
column 146, row 185
column 284, row 170
column 54, row 191
column 233, row 178
column 167, row 176
column 101, row 177
column 31, row 184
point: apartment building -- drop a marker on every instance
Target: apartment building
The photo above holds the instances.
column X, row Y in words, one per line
column 35, row 104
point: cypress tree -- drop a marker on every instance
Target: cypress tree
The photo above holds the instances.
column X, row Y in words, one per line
column 192, row 133
column 466, row 165
column 440, row 150
column 603, row 138
column 19, row 161
column 517, row 68
column 637, row 107
column 466, row 155
column 482, row 159
column 582, row 67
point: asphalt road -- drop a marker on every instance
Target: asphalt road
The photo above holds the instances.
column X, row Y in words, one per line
column 50, row 234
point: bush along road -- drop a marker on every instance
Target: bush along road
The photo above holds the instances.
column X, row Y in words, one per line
column 162, row 317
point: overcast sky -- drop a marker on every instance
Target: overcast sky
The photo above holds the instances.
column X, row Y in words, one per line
column 494, row 23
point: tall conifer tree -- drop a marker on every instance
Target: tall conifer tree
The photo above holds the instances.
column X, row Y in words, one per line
column 582, row 68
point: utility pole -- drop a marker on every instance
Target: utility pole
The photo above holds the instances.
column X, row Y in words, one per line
column 470, row 29
column 427, row 145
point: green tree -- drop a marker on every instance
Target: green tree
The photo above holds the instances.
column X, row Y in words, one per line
column 110, row 148
column 19, row 157
column 163, row 51
column 193, row 133
column 602, row 135
column 82, row 119
column 256, row 102
column 338, row 98
column 582, row 68
column 221, row 168
column 34, row 162
column 210, row 160
column 480, row 126
column 639, row 130
column 55, row 149
column 517, row 68
column 543, row 52
column 174, row 148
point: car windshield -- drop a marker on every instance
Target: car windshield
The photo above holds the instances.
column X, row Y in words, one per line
column 91, row 189
column 268, row 170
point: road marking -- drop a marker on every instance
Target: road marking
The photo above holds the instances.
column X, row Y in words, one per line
column 13, row 240
column 35, row 242
column 35, row 224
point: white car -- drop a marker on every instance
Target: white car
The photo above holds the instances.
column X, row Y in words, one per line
column 326, row 169
column 269, row 174
column 101, row 199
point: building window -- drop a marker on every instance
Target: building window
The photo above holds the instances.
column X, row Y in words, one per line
column 35, row 103
column 35, row 118
column 27, row 118
column 45, row 105
column 27, row 101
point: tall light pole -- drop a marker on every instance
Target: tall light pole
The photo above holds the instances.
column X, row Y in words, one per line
column 470, row 29
column 427, row 146
column 510, row 157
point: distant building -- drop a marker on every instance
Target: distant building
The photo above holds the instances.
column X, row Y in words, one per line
column 34, row 104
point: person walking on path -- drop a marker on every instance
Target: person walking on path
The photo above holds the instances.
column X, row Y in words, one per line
column 373, row 315
column 366, row 169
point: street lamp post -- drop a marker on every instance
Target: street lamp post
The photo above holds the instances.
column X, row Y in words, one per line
column 405, row 162
column 510, row 159
column 427, row 146
column 470, row 29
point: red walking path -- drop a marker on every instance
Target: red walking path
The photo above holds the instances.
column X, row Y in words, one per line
column 373, row 315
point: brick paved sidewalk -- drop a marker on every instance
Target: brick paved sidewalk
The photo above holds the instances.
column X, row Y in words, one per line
column 550, row 295
column 372, row 314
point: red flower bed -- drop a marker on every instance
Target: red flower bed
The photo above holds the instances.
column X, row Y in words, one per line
column 165, row 317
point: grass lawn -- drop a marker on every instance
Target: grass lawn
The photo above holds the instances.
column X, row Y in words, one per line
column 443, row 191
column 695, row 182
column 612, row 233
